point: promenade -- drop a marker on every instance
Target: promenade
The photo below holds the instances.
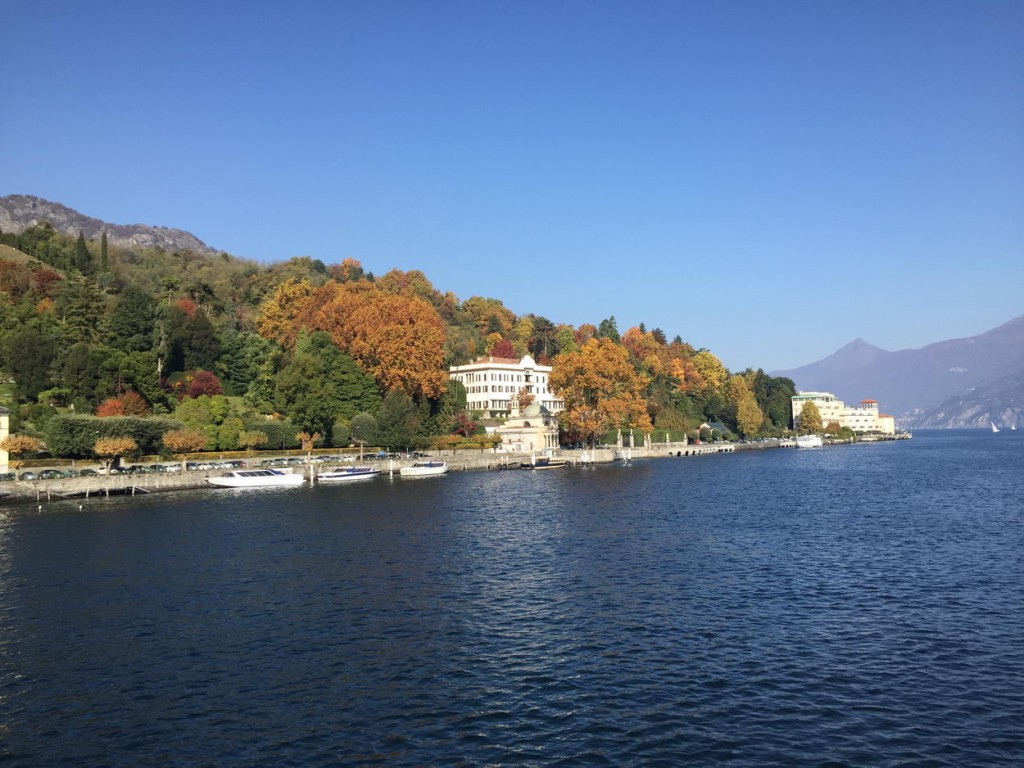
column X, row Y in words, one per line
column 458, row 461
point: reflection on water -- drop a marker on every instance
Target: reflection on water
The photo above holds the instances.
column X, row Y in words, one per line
column 855, row 605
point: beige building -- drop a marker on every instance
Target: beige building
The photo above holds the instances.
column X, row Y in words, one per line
column 533, row 430
column 862, row 418
column 493, row 384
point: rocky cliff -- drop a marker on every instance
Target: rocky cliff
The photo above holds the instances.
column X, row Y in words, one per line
column 19, row 212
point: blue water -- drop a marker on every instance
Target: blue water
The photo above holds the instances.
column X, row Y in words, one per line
column 854, row 605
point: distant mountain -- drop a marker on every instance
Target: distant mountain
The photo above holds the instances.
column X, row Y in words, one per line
column 1000, row 403
column 912, row 381
column 19, row 212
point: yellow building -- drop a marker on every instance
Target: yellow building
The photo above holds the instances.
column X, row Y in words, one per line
column 862, row 418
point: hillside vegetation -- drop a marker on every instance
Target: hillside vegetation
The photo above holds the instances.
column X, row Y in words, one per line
column 230, row 347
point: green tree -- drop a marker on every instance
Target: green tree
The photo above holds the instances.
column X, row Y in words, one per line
column 363, row 431
column 242, row 361
column 607, row 329
column 80, row 309
column 137, row 371
column 81, row 372
column 132, row 322
column 451, row 403
column 83, row 259
column 30, row 356
column 398, row 420
column 307, row 395
column 104, row 257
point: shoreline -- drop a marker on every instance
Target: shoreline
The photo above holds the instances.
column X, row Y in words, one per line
column 23, row 492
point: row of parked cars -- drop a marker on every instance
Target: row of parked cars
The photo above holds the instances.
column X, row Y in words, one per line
column 130, row 469
column 202, row 466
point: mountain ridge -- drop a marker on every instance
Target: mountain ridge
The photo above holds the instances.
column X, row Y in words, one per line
column 910, row 382
column 20, row 212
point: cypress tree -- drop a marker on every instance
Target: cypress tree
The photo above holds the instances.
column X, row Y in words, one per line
column 83, row 259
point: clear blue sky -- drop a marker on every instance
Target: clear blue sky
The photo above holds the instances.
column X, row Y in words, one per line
column 766, row 179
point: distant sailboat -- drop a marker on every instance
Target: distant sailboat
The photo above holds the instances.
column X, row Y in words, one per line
column 994, row 427
column 1013, row 427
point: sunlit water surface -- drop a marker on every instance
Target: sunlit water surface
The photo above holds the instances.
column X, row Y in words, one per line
column 856, row 605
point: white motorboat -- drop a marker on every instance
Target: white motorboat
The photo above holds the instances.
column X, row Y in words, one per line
column 255, row 478
column 347, row 474
column 424, row 469
column 544, row 462
column 808, row 441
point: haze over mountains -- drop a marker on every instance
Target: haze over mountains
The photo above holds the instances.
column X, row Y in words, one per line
column 19, row 212
column 956, row 383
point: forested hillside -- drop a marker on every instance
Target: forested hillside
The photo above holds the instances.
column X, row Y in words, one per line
column 229, row 348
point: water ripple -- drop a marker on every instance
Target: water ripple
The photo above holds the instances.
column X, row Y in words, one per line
column 856, row 606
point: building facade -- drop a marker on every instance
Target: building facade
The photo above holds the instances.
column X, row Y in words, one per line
column 532, row 430
column 862, row 418
column 493, row 385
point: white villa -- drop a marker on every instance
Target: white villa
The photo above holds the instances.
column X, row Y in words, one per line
column 532, row 430
column 492, row 384
column 860, row 418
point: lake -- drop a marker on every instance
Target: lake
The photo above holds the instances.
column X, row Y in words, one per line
column 853, row 605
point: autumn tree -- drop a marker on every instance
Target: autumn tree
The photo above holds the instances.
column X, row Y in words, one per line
column 601, row 390
column 285, row 312
column 809, row 418
column 398, row 340
column 182, row 442
column 711, row 370
column 128, row 404
column 21, row 445
column 503, row 348
column 743, row 405
column 112, row 448
column 524, row 397
column 204, row 383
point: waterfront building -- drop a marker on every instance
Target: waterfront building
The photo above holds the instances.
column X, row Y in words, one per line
column 862, row 418
column 532, row 430
column 493, row 385
column 830, row 408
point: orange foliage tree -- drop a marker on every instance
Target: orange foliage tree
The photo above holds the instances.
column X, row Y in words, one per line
column 128, row 404
column 601, row 389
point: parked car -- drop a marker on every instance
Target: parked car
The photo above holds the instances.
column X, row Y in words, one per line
column 6, row 477
column 28, row 476
column 87, row 472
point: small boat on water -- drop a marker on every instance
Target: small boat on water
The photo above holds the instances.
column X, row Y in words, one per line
column 424, row 469
column 544, row 463
column 994, row 427
column 808, row 441
column 348, row 474
column 255, row 478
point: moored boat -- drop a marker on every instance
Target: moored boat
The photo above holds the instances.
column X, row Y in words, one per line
column 424, row 469
column 545, row 463
column 255, row 478
column 348, row 474
column 808, row 441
